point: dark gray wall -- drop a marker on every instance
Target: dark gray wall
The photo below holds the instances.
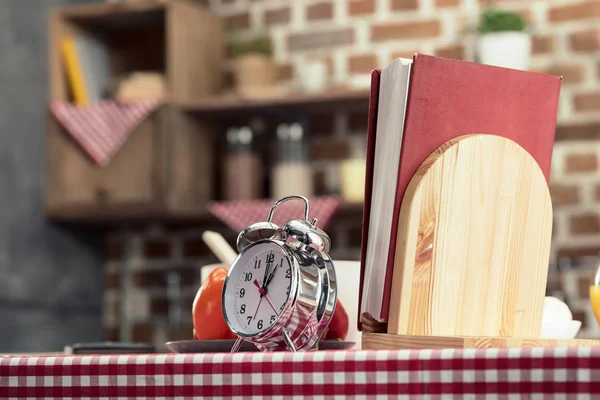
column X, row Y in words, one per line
column 51, row 279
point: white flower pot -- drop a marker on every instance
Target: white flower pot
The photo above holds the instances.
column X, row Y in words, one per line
column 505, row 49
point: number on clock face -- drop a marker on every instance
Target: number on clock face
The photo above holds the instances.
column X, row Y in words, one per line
column 262, row 289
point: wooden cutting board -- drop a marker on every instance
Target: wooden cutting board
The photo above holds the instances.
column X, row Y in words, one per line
column 473, row 243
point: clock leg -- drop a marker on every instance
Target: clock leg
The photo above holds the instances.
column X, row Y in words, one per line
column 287, row 340
column 236, row 346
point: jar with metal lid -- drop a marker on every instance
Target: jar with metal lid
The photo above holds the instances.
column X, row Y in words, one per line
column 292, row 174
column 242, row 172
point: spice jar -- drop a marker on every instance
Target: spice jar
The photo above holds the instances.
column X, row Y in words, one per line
column 242, row 171
column 291, row 174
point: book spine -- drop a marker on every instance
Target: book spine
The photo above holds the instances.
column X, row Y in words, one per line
column 371, row 133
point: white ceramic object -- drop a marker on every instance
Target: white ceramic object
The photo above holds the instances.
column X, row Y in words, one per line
column 557, row 320
column 347, row 274
column 560, row 330
column 505, row 49
column 313, row 76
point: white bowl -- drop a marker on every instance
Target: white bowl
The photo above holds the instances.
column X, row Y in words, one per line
column 560, row 329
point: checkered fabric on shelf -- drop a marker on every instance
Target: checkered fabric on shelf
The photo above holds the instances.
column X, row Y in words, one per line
column 102, row 128
column 239, row 214
column 486, row 373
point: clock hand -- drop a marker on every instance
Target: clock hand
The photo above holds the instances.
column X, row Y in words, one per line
column 265, row 278
column 269, row 301
column 270, row 278
column 263, row 293
column 260, row 290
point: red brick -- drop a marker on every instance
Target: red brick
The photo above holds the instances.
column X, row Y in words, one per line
column 361, row 7
column 319, row 11
column 157, row 249
column 403, row 54
column 320, row 182
column 113, row 251
column 195, row 247
column 111, row 334
column 456, row 51
column 447, row 3
column 362, row 63
column 404, row 4
column 589, row 9
column 572, row 73
column 317, row 40
column 160, row 305
column 111, row 280
column 585, row 224
column 578, row 252
column 277, row 16
column 182, row 332
column 189, row 276
column 564, row 194
column 583, row 285
column 542, row 44
column 587, row 131
column 238, row 21
column 328, row 150
column 587, row 102
column 582, row 162
column 285, row 72
column 323, row 124
column 588, row 40
column 142, row 332
column 358, row 121
column 405, row 30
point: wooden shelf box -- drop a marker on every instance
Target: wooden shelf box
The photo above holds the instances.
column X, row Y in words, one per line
column 166, row 165
column 180, row 38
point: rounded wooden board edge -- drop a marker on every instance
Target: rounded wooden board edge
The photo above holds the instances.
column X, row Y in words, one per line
column 406, row 244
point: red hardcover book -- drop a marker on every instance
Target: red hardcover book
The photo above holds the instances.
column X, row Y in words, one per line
column 445, row 99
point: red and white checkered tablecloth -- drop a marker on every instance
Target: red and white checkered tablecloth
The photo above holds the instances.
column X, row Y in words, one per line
column 240, row 213
column 489, row 373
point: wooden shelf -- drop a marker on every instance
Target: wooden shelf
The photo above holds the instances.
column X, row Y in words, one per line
column 115, row 15
column 336, row 98
column 110, row 216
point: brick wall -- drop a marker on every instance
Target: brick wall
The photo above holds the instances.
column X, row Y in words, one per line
column 354, row 36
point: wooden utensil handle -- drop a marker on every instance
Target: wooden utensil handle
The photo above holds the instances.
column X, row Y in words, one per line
column 219, row 246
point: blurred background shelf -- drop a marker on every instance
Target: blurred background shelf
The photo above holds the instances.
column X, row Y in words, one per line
column 90, row 216
column 115, row 15
column 332, row 99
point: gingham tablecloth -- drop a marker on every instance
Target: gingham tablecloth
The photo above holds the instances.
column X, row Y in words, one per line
column 490, row 373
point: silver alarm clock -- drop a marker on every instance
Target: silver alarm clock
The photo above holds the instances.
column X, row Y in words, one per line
column 280, row 292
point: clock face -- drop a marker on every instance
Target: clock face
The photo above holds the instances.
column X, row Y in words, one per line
column 258, row 288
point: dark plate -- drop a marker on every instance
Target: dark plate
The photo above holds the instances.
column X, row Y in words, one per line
column 224, row 346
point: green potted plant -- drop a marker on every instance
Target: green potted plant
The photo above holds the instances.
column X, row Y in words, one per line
column 503, row 39
column 254, row 69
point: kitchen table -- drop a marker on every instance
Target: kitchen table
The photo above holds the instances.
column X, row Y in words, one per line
column 489, row 373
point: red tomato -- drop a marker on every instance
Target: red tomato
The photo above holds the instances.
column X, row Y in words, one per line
column 207, row 311
column 338, row 327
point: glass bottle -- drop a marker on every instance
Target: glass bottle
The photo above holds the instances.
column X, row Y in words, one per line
column 243, row 168
column 292, row 174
